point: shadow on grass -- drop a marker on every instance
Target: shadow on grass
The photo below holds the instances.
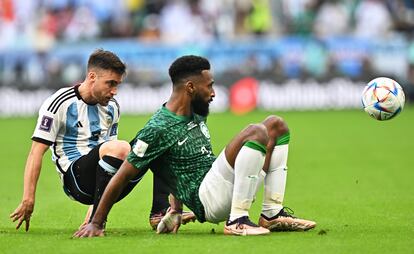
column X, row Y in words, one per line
column 37, row 231
column 139, row 232
column 111, row 232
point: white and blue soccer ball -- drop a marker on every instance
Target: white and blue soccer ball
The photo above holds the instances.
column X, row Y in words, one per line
column 383, row 98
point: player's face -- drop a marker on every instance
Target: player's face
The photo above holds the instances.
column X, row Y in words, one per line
column 105, row 86
column 203, row 93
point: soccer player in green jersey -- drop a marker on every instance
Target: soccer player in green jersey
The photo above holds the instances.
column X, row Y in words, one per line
column 175, row 145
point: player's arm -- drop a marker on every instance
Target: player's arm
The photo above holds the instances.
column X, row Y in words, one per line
column 31, row 175
column 112, row 191
column 175, row 204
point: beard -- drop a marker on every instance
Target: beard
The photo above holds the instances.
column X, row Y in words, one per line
column 200, row 107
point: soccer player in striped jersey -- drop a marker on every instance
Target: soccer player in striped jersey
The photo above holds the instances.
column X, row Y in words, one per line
column 175, row 144
column 80, row 125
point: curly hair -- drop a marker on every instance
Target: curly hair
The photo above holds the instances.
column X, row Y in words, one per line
column 186, row 66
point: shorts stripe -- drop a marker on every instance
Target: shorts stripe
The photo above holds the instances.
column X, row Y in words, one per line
column 76, row 183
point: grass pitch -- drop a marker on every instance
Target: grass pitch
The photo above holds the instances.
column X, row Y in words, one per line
column 350, row 173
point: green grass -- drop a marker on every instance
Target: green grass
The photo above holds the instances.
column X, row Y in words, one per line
column 350, row 173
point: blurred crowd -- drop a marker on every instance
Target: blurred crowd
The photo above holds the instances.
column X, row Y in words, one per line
column 41, row 23
column 40, row 38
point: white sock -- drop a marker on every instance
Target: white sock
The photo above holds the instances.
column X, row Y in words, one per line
column 260, row 181
column 275, row 182
column 248, row 164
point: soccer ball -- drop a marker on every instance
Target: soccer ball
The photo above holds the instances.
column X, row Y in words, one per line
column 383, row 98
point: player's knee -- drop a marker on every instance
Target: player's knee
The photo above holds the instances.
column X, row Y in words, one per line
column 276, row 126
column 115, row 148
column 258, row 133
column 122, row 148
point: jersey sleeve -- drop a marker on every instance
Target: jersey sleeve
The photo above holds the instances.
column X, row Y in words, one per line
column 47, row 125
column 147, row 147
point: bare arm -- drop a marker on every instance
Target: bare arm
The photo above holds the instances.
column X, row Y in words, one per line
column 31, row 175
column 118, row 182
column 176, row 205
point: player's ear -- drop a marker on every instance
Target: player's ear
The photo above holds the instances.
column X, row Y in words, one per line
column 189, row 87
column 92, row 75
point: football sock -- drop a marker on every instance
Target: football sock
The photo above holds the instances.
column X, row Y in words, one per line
column 260, row 180
column 275, row 180
column 106, row 168
column 247, row 166
column 160, row 193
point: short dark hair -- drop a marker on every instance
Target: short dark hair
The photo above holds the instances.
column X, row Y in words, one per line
column 186, row 66
column 106, row 60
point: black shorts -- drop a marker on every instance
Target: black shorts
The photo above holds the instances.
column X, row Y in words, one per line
column 79, row 181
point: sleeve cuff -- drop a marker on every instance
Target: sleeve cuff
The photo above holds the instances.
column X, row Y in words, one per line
column 43, row 141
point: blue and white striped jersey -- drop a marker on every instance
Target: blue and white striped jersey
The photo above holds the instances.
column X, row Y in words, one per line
column 72, row 127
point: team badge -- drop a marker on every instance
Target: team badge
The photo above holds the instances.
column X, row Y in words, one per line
column 140, row 148
column 204, row 130
column 46, row 123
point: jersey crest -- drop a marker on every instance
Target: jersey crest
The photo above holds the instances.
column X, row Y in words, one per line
column 204, row 130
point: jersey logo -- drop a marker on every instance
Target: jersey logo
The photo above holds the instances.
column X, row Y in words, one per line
column 46, row 123
column 205, row 151
column 95, row 135
column 204, row 130
column 191, row 125
column 140, row 148
column 79, row 124
column 180, row 143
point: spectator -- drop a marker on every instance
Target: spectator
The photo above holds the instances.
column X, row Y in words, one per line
column 332, row 19
column 372, row 19
column 259, row 20
column 82, row 26
column 178, row 16
column 402, row 12
column 298, row 15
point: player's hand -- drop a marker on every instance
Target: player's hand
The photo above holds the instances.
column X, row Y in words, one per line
column 170, row 223
column 89, row 230
column 23, row 213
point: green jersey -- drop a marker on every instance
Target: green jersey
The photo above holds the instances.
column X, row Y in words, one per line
column 178, row 150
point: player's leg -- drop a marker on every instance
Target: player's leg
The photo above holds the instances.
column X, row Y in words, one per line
column 216, row 194
column 275, row 165
column 246, row 154
column 113, row 153
column 229, row 186
column 79, row 180
column 111, row 156
column 160, row 204
column 86, row 175
column 273, row 216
